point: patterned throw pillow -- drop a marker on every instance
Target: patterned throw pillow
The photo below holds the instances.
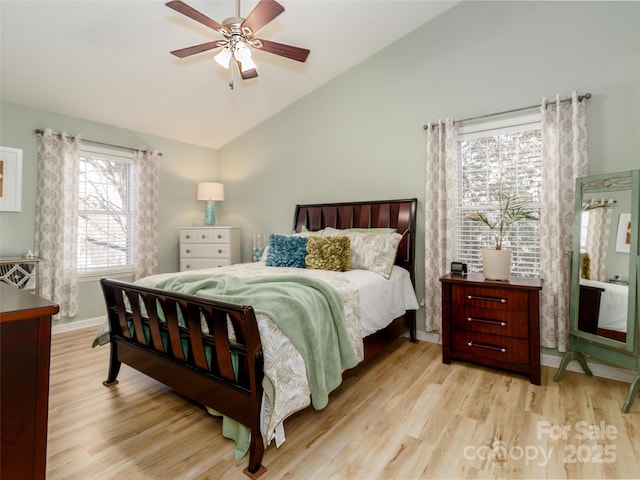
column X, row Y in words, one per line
column 375, row 252
column 329, row 253
column 286, row 251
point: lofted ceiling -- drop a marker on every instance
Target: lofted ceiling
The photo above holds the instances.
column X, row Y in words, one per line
column 108, row 61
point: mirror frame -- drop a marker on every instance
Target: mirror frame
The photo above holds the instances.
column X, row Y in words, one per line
column 609, row 182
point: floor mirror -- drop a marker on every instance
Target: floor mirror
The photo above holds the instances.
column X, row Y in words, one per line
column 604, row 318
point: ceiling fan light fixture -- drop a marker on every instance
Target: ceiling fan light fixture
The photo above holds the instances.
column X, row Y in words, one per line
column 239, row 40
column 223, row 57
column 242, row 52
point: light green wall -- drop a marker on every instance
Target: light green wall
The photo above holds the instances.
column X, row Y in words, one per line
column 181, row 167
column 360, row 136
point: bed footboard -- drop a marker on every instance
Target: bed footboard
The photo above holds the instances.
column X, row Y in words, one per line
column 206, row 350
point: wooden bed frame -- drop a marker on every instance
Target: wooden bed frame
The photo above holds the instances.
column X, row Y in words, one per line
column 589, row 311
column 198, row 365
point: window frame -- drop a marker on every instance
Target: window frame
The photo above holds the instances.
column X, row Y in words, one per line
column 484, row 129
column 113, row 271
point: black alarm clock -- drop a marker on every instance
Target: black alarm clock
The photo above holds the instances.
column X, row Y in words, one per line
column 459, row 268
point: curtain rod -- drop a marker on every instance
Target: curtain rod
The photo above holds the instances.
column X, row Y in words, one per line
column 39, row 131
column 586, row 96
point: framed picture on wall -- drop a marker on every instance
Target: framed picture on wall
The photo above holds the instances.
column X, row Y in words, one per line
column 623, row 239
column 10, row 179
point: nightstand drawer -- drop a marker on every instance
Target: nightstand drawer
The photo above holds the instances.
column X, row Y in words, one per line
column 194, row 250
column 495, row 322
column 200, row 263
column 490, row 298
column 504, row 349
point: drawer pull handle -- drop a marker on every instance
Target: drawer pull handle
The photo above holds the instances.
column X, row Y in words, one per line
column 203, row 236
column 188, row 251
column 187, row 236
column 488, row 347
column 219, row 236
column 187, row 266
column 487, row 299
column 219, row 251
column 501, row 323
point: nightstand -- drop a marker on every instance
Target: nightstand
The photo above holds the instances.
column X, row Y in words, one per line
column 208, row 247
column 492, row 323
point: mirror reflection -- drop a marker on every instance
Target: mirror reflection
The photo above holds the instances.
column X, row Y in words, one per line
column 604, row 264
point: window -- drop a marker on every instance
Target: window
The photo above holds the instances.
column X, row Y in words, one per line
column 105, row 213
column 499, row 157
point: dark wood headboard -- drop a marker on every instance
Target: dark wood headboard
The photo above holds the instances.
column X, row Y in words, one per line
column 398, row 214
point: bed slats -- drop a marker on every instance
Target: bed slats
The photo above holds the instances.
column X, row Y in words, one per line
column 218, row 369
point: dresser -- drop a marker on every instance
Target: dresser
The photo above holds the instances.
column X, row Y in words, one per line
column 492, row 323
column 208, row 247
column 25, row 345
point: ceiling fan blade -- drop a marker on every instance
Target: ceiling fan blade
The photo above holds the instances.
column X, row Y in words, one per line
column 194, row 14
column 246, row 75
column 294, row 53
column 203, row 47
column 263, row 13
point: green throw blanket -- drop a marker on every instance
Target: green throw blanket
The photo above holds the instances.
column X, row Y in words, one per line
column 307, row 310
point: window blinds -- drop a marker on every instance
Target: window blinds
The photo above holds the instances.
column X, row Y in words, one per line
column 499, row 157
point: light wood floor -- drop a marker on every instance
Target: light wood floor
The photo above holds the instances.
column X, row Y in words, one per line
column 404, row 416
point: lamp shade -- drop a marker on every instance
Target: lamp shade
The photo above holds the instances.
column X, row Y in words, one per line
column 223, row 57
column 210, row 191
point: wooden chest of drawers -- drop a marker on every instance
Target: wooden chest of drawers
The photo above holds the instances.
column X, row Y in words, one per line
column 209, row 247
column 25, row 345
column 492, row 323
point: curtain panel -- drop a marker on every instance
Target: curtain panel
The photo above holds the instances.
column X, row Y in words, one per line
column 439, row 214
column 598, row 242
column 146, row 213
column 564, row 158
column 56, row 228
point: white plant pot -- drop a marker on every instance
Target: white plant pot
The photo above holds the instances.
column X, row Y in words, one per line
column 496, row 264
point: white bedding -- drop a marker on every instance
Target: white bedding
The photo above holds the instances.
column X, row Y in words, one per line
column 371, row 302
column 613, row 305
column 382, row 300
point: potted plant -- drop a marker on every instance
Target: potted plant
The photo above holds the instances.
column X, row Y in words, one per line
column 496, row 262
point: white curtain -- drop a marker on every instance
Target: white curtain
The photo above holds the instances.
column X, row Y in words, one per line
column 146, row 197
column 56, row 229
column 564, row 158
column 439, row 214
column 598, row 241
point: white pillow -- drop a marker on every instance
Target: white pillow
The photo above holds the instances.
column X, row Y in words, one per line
column 375, row 251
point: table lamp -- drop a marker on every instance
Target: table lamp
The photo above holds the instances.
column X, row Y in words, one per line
column 210, row 192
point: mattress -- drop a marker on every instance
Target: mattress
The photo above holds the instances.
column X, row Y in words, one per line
column 614, row 302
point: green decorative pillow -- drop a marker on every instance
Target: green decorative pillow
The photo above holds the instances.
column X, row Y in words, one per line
column 328, row 253
column 286, row 251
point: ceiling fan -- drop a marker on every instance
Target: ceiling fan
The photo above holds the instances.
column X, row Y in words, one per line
column 239, row 37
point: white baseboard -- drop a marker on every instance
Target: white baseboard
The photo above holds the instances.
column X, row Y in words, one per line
column 598, row 369
column 68, row 327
